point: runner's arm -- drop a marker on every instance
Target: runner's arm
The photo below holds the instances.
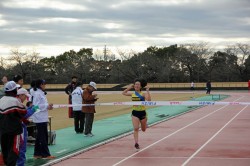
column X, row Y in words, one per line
column 147, row 94
column 126, row 91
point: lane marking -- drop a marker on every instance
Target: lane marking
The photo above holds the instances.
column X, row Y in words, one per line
column 218, row 132
column 211, row 158
column 171, row 134
column 61, row 151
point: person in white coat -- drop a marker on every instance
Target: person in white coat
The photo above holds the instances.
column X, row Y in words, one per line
column 41, row 120
column 79, row 116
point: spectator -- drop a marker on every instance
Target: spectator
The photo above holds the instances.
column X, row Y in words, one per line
column 41, row 120
column 4, row 80
column 11, row 113
column 22, row 95
column 89, row 98
column 139, row 115
column 31, row 130
column 2, row 93
column 68, row 90
column 18, row 80
column 79, row 116
column 192, row 85
column 249, row 85
column 31, row 89
column 208, row 87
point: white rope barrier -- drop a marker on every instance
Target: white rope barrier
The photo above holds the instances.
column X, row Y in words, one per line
column 155, row 103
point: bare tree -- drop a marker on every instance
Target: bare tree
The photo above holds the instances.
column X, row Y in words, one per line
column 242, row 52
column 2, row 62
column 18, row 58
column 188, row 61
column 203, row 52
column 98, row 54
column 33, row 58
column 125, row 54
column 24, row 61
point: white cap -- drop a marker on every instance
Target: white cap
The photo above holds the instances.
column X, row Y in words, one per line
column 23, row 91
column 93, row 84
column 10, row 86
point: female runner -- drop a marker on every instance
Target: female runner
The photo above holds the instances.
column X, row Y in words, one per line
column 139, row 115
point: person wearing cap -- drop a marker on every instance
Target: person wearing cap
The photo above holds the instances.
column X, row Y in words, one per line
column 22, row 95
column 89, row 98
column 11, row 113
column 139, row 114
column 41, row 120
column 79, row 116
column 4, row 80
column 68, row 90
column 19, row 81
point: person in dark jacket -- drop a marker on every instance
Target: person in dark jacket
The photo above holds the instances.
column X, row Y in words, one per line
column 208, row 87
column 2, row 92
column 11, row 113
column 89, row 98
column 68, row 90
column 18, row 80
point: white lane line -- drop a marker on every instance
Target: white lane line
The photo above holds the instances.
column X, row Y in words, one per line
column 167, row 136
column 211, row 158
column 218, row 132
column 61, row 151
column 171, row 134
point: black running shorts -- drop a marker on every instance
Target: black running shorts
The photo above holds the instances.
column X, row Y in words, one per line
column 139, row 114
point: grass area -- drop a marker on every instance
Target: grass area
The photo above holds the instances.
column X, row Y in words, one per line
column 60, row 116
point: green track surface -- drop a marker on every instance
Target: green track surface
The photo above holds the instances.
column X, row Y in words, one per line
column 68, row 142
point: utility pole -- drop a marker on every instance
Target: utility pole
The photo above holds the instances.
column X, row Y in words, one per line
column 105, row 53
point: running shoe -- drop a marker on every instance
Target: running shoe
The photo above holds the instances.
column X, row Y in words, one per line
column 137, row 146
column 49, row 157
column 90, row 135
column 37, row 157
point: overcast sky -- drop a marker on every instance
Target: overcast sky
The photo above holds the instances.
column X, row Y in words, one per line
column 52, row 27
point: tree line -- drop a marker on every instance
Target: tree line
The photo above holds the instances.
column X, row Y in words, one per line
column 174, row 63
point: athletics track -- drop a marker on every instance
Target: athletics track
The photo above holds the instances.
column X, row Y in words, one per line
column 209, row 135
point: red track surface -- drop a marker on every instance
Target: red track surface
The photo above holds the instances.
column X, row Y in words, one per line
column 212, row 135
